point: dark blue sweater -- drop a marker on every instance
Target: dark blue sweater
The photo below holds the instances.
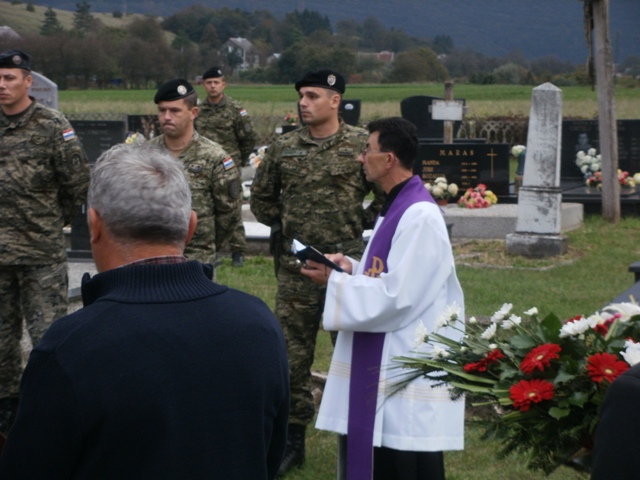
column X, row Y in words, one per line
column 162, row 375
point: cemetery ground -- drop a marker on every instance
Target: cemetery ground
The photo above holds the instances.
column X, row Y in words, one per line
column 593, row 272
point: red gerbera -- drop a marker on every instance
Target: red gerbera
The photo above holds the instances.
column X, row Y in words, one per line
column 605, row 366
column 492, row 357
column 526, row 392
column 540, row 357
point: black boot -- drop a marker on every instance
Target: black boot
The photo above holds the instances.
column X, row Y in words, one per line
column 8, row 410
column 294, row 451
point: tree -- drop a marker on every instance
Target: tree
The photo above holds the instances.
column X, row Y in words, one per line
column 443, row 44
column 421, row 65
column 51, row 24
column 83, row 21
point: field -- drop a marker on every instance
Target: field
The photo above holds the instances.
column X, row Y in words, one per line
column 377, row 100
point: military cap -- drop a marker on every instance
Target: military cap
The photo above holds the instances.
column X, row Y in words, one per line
column 213, row 72
column 175, row 89
column 322, row 78
column 15, row 59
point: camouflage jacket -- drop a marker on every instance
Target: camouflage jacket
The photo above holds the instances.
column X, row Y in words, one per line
column 216, row 195
column 316, row 189
column 44, row 178
column 228, row 124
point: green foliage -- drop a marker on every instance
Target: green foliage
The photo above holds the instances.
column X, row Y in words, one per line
column 421, row 65
column 83, row 21
column 51, row 24
column 30, row 7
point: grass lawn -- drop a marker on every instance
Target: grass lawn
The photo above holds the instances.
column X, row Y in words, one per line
column 593, row 272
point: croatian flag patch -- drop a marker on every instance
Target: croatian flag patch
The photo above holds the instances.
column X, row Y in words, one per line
column 68, row 134
column 228, row 163
column 243, row 112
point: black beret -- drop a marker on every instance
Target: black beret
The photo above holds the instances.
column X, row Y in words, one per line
column 213, row 72
column 15, row 59
column 173, row 90
column 322, row 78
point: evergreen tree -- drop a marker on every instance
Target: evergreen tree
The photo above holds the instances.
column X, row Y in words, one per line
column 51, row 24
column 82, row 19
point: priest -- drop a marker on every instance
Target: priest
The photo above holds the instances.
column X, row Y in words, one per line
column 404, row 283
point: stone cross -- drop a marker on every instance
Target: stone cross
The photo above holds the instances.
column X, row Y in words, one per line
column 540, row 199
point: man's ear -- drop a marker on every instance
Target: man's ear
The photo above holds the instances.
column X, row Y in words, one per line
column 193, row 223
column 96, row 225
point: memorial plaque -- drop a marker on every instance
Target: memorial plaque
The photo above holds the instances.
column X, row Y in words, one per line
column 98, row 136
column 416, row 110
column 465, row 165
column 583, row 134
column 350, row 111
column 45, row 91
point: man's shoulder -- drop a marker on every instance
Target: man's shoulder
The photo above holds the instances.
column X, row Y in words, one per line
column 206, row 145
column 232, row 102
column 43, row 113
column 350, row 131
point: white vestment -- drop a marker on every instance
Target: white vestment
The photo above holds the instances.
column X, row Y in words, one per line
column 419, row 285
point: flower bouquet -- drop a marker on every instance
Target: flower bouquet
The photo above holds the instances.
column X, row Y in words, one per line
column 291, row 118
column 478, row 197
column 545, row 379
column 518, row 150
column 442, row 190
column 589, row 162
column 624, row 178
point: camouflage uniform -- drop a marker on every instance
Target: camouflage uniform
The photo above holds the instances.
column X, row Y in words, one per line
column 215, row 195
column 315, row 191
column 229, row 124
column 43, row 182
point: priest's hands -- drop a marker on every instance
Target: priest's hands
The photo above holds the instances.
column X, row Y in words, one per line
column 319, row 273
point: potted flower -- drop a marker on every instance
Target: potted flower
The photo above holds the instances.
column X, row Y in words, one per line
column 588, row 162
column 441, row 190
column 545, row 378
column 478, row 197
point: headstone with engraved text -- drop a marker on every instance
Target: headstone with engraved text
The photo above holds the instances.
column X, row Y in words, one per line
column 45, row 91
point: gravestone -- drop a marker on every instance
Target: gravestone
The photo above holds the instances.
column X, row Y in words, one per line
column 540, row 199
column 350, row 111
column 465, row 165
column 98, row 136
column 581, row 134
column 416, row 109
column 45, row 91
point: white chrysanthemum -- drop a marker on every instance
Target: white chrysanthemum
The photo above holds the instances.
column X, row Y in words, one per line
column 473, row 320
column 440, row 180
column 420, row 335
column 449, row 316
column 437, row 191
column 453, row 189
column 531, row 312
column 598, row 319
column 636, row 177
column 511, row 322
column 489, row 332
column 584, row 168
column 574, row 328
column 631, row 353
column 502, row 313
column 439, row 353
column 626, row 310
column 592, row 152
column 493, row 346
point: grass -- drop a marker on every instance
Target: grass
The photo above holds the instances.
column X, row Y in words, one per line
column 593, row 272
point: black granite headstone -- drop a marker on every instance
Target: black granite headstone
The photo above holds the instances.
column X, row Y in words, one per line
column 98, row 136
column 465, row 165
column 416, row 110
column 148, row 125
column 583, row 134
column 350, row 111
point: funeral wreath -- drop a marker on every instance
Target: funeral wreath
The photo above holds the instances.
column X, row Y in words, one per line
column 543, row 379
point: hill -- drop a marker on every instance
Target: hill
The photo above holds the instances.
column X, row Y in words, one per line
column 535, row 28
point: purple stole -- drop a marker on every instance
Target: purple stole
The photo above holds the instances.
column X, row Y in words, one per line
column 367, row 347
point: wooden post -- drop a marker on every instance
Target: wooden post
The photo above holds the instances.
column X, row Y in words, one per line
column 448, row 124
column 606, row 112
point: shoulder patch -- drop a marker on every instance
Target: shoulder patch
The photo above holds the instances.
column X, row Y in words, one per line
column 228, row 163
column 235, row 188
column 68, row 134
column 243, row 112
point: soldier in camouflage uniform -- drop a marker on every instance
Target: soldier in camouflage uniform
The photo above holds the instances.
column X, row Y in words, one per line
column 43, row 183
column 213, row 176
column 310, row 187
column 224, row 120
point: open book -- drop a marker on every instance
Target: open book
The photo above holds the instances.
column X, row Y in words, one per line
column 304, row 253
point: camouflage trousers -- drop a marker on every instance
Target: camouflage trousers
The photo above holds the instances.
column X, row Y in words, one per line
column 299, row 306
column 238, row 239
column 37, row 294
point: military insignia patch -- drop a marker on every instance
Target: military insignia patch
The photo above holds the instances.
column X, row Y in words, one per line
column 16, row 59
column 228, row 163
column 331, row 79
column 235, row 188
column 182, row 89
column 68, row 134
column 243, row 112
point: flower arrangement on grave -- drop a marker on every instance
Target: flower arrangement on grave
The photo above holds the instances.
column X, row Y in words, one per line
column 441, row 189
column 478, row 197
column 291, row 118
column 545, row 379
column 589, row 162
column 624, row 178
column 134, row 137
column 256, row 158
column 518, row 150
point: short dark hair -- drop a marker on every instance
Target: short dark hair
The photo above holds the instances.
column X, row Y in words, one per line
column 397, row 135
